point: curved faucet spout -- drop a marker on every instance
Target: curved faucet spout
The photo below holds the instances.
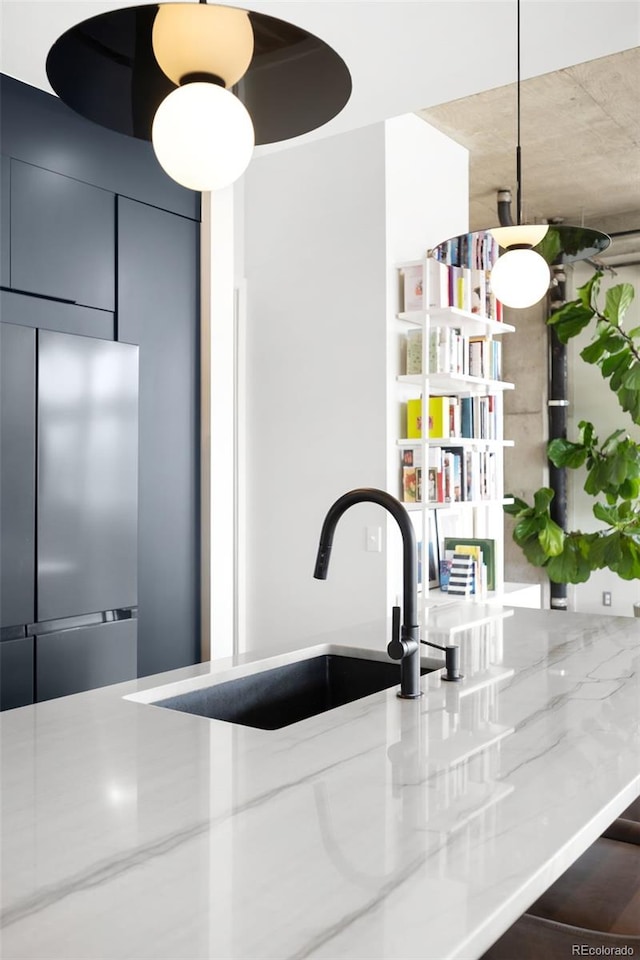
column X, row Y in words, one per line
column 406, row 646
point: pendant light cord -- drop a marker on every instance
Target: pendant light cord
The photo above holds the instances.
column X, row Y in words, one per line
column 518, row 154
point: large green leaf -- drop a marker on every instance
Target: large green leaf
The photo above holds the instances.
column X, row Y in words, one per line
column 606, row 514
column 613, row 442
column 518, row 505
column 570, row 566
column 551, row 538
column 541, row 499
column 587, row 433
column 570, row 319
column 534, row 552
column 628, row 566
column 617, row 302
column 629, row 400
column 631, row 379
column 614, row 362
column 605, row 550
column 527, row 527
column 593, row 352
column 564, row 453
column 630, row 489
column 589, row 289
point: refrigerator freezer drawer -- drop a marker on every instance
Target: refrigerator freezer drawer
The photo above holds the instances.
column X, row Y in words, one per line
column 71, row 661
column 16, row 673
column 87, row 490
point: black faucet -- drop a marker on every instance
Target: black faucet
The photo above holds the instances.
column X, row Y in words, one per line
column 405, row 640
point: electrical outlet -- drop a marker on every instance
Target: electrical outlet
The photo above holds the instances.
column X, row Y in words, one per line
column 374, row 539
column 606, row 598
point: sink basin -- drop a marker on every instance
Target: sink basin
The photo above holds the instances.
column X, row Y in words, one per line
column 283, row 695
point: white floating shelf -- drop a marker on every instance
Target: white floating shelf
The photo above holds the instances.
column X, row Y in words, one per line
column 455, row 504
column 444, row 383
column 454, row 442
column 454, row 317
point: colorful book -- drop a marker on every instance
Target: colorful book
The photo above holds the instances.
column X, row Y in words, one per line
column 413, row 288
column 414, row 419
column 414, row 352
column 486, row 547
column 461, row 575
column 439, row 417
column 411, row 484
column 466, row 417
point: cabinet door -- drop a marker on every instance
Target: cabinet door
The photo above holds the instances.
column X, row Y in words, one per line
column 70, row 661
column 17, row 474
column 87, row 475
column 16, row 673
column 158, row 308
column 62, row 237
column 5, row 262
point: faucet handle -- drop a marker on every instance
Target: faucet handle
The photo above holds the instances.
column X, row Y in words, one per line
column 394, row 648
column 399, row 647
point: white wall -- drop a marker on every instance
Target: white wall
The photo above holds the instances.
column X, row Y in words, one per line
column 325, row 225
column 217, row 426
column 591, row 399
column 315, row 396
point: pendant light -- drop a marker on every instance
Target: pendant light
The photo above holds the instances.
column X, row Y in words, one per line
column 520, row 276
column 203, row 82
column 202, row 134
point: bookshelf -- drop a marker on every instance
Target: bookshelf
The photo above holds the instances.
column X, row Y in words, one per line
column 449, row 475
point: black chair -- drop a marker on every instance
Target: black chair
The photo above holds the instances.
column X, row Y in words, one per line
column 596, row 902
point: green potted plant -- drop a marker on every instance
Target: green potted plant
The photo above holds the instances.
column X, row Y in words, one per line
column 612, row 465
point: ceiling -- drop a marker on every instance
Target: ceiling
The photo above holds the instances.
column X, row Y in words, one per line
column 580, row 91
column 402, row 54
column 580, row 135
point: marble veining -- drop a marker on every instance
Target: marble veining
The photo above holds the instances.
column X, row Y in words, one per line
column 382, row 829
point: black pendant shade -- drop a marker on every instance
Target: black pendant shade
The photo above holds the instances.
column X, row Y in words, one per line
column 104, row 68
column 561, row 244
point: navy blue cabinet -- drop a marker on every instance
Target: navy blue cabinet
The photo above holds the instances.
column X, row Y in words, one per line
column 5, row 262
column 17, row 482
column 77, row 257
column 62, row 237
column 158, row 303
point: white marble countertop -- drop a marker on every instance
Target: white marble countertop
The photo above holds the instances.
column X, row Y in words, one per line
column 381, row 829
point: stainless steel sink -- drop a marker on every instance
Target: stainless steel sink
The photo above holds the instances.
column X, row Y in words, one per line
column 275, row 698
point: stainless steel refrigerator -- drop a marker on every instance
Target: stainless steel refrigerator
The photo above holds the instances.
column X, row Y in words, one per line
column 68, row 511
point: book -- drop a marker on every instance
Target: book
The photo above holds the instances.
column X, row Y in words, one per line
column 487, row 551
column 414, row 351
column 438, row 284
column 461, row 575
column 445, row 572
column 439, row 418
column 411, row 484
column 414, row 419
column 466, row 417
column 413, row 288
column 435, row 476
column 452, row 470
column 478, row 292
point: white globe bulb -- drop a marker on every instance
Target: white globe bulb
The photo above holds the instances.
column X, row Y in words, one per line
column 519, row 278
column 531, row 233
column 203, row 136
